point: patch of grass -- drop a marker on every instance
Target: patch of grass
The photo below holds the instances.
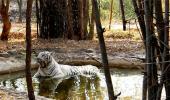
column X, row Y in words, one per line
column 119, row 34
column 20, row 35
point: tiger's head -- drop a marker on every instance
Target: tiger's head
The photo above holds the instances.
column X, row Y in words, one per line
column 44, row 59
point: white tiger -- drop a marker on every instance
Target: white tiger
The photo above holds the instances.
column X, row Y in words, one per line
column 50, row 68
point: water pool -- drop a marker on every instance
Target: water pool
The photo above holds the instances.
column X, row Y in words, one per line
column 128, row 82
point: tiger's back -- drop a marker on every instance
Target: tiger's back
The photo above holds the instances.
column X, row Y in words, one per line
column 89, row 70
column 49, row 67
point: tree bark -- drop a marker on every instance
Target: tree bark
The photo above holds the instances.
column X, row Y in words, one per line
column 159, row 22
column 123, row 14
column 37, row 16
column 53, row 18
column 81, row 21
column 150, row 52
column 166, row 51
column 5, row 19
column 20, row 10
column 70, row 32
column 103, row 52
column 160, row 30
column 111, row 11
column 77, row 10
column 75, row 19
column 28, row 51
column 85, row 17
column 140, row 17
column 91, row 25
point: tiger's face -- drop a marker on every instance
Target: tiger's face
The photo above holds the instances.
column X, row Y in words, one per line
column 44, row 59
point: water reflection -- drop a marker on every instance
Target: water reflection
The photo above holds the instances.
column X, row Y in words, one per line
column 79, row 88
column 128, row 82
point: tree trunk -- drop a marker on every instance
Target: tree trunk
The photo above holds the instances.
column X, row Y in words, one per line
column 123, row 14
column 166, row 51
column 140, row 17
column 85, row 17
column 159, row 22
column 20, row 10
column 81, row 21
column 103, row 52
column 70, row 32
column 53, row 18
column 111, row 11
column 37, row 16
column 28, row 51
column 150, row 52
column 91, row 25
column 77, row 11
column 160, row 30
column 5, row 19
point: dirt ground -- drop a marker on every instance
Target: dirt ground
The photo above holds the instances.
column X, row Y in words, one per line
column 116, row 41
column 120, row 46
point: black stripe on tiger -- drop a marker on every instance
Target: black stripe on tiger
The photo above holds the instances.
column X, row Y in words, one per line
column 51, row 71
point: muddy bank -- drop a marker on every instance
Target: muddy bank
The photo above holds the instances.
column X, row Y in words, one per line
column 14, row 61
column 121, row 54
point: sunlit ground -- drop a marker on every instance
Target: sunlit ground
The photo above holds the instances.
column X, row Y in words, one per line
column 18, row 30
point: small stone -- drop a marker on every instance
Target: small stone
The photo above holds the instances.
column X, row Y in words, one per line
column 12, row 52
column 4, row 54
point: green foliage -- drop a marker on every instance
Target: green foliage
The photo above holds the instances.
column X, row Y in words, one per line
column 105, row 4
column 129, row 9
column 105, row 9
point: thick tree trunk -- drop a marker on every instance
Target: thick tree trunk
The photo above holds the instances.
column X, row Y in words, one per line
column 28, row 51
column 85, row 17
column 77, row 15
column 5, row 19
column 70, row 32
column 53, row 18
column 80, row 19
column 91, row 25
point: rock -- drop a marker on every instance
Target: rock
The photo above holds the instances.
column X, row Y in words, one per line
column 12, row 52
column 4, row 54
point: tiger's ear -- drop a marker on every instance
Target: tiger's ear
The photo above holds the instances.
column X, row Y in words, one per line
column 51, row 53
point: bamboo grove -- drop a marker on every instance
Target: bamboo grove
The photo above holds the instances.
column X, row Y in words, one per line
column 154, row 25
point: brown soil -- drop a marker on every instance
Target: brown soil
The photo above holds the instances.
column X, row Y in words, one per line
column 120, row 46
column 17, row 41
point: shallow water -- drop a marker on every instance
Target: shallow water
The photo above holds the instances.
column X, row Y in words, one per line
column 128, row 82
